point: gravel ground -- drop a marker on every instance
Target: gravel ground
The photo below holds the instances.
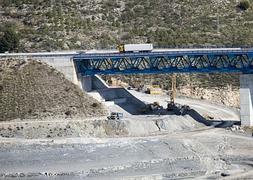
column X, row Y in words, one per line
column 213, row 153
column 137, row 147
column 97, row 127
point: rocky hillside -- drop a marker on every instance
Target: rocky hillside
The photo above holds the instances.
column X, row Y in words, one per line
column 218, row 88
column 83, row 24
column 33, row 90
column 47, row 25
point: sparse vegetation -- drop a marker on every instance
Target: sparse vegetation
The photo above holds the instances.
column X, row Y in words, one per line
column 9, row 40
column 244, row 4
column 33, row 90
column 54, row 25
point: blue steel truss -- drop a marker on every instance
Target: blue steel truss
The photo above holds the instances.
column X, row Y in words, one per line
column 183, row 61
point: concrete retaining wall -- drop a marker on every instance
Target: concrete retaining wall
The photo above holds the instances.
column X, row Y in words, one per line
column 122, row 98
column 89, row 83
column 98, row 83
column 63, row 64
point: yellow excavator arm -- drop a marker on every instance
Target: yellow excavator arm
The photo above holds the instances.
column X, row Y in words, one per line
column 173, row 88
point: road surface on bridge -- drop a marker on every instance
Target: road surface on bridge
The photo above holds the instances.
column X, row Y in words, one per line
column 95, row 51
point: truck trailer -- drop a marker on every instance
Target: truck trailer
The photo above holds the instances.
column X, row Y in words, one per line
column 128, row 48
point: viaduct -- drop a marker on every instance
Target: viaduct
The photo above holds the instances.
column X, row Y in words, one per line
column 81, row 67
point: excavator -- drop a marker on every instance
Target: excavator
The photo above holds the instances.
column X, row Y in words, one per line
column 171, row 103
column 172, row 106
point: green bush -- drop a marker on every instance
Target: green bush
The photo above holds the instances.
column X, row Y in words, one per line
column 9, row 40
column 244, row 4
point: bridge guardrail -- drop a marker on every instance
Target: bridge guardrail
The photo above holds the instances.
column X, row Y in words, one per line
column 176, row 53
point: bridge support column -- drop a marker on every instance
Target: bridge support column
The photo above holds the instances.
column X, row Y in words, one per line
column 246, row 99
column 86, row 83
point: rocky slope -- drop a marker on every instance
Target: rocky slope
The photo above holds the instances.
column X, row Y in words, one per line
column 33, row 90
column 226, row 95
column 218, row 88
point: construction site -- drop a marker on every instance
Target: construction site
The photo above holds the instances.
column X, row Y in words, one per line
column 126, row 89
column 52, row 127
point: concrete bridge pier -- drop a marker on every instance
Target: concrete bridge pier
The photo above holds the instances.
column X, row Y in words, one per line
column 246, row 99
column 89, row 83
column 86, row 83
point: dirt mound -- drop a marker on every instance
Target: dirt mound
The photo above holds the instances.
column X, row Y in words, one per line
column 33, row 90
column 97, row 128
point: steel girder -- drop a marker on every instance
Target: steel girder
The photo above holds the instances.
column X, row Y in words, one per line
column 188, row 62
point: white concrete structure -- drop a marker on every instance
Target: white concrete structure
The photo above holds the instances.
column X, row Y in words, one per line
column 62, row 61
column 89, row 83
column 246, row 99
column 86, row 83
column 63, row 64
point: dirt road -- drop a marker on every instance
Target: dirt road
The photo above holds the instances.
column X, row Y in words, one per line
column 217, row 111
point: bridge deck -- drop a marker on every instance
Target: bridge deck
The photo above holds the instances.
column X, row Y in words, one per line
column 166, row 61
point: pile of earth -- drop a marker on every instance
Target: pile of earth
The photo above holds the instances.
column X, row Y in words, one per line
column 30, row 89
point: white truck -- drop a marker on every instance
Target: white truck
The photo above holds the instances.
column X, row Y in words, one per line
column 135, row 48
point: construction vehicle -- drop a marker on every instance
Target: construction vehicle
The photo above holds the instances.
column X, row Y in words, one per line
column 171, row 104
column 115, row 116
column 153, row 107
column 178, row 109
column 183, row 110
column 130, row 48
column 154, row 90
